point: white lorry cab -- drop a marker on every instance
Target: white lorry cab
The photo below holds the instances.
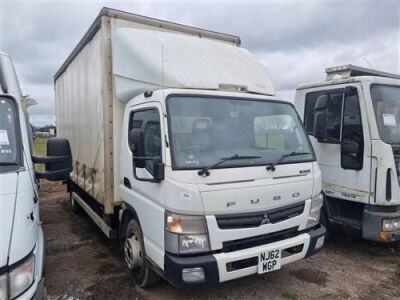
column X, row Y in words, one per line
column 182, row 151
column 353, row 120
column 21, row 236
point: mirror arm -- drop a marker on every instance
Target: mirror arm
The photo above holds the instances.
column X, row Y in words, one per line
column 48, row 159
column 47, row 174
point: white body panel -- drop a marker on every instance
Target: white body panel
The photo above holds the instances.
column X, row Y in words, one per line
column 20, row 227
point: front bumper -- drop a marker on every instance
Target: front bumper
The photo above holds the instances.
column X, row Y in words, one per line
column 224, row 266
column 372, row 226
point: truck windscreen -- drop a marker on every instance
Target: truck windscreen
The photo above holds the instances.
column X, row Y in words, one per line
column 9, row 152
column 386, row 101
column 204, row 130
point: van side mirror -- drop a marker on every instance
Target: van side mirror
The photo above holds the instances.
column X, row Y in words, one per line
column 136, row 145
column 320, row 116
column 58, row 160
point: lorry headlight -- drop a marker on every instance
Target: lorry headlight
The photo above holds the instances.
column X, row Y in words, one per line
column 186, row 234
column 315, row 210
column 391, row 224
column 21, row 278
column 3, row 287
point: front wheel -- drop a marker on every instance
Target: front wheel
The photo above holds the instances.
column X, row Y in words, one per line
column 135, row 256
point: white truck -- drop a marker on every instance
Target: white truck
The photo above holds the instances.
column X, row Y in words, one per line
column 353, row 120
column 21, row 236
column 182, row 151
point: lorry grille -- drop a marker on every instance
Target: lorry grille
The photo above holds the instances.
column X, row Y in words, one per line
column 259, row 240
column 247, row 220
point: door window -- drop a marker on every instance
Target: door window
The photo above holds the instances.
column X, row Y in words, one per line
column 149, row 121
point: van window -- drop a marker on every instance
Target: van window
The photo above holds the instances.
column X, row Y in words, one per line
column 149, row 121
column 334, row 114
column 8, row 132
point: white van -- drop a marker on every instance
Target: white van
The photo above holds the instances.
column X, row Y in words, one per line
column 353, row 119
column 183, row 152
column 21, row 236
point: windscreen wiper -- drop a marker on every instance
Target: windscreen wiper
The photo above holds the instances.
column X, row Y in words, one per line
column 271, row 166
column 205, row 170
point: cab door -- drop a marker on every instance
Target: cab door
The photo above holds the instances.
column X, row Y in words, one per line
column 141, row 187
column 342, row 146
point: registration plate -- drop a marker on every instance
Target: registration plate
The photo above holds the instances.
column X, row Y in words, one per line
column 269, row 261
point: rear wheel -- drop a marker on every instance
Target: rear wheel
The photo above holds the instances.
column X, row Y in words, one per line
column 135, row 256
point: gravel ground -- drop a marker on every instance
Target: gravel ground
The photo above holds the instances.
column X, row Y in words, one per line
column 83, row 263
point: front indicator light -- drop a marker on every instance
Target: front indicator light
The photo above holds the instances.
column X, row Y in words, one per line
column 186, row 234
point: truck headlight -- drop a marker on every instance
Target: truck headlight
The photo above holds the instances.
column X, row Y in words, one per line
column 186, row 234
column 3, row 287
column 315, row 210
column 21, row 278
column 391, row 224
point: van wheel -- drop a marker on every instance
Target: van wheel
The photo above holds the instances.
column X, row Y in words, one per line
column 75, row 208
column 135, row 256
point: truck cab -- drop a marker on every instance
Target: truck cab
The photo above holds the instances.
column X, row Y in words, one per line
column 353, row 120
column 218, row 179
column 22, row 252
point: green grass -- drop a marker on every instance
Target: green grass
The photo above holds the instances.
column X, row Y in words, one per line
column 40, row 145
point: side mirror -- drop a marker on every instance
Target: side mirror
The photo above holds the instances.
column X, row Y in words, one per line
column 320, row 116
column 58, row 160
column 136, row 145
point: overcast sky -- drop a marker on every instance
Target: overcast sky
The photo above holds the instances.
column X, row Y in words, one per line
column 294, row 40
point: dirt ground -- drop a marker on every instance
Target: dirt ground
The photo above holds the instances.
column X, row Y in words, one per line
column 82, row 263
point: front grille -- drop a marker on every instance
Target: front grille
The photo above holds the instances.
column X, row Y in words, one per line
column 259, row 240
column 247, row 220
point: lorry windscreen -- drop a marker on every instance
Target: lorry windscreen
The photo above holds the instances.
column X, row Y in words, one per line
column 204, row 130
column 386, row 101
column 9, row 150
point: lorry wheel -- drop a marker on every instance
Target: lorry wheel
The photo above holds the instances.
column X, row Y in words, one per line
column 75, row 208
column 135, row 256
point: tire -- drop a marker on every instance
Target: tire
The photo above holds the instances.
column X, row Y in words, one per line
column 75, row 208
column 135, row 256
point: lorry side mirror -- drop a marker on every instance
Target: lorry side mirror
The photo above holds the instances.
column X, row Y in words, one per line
column 158, row 170
column 320, row 115
column 58, row 160
column 136, row 145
